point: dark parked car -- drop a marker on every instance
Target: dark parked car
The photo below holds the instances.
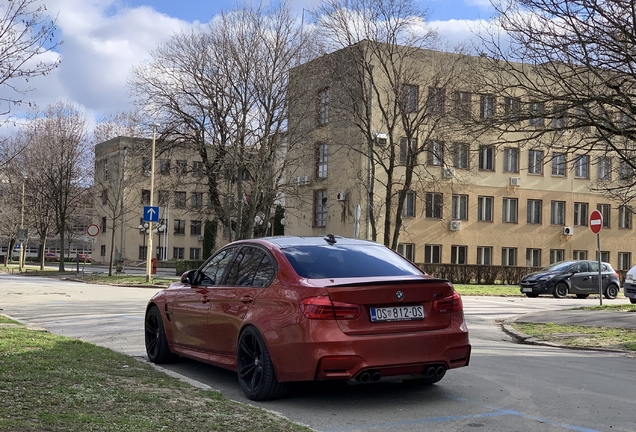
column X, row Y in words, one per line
column 284, row 309
column 571, row 277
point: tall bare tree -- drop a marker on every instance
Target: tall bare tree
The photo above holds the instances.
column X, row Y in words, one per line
column 223, row 89
column 58, row 162
column 390, row 86
column 564, row 73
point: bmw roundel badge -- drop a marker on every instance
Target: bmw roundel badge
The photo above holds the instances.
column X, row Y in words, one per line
column 399, row 295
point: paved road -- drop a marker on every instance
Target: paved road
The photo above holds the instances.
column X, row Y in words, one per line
column 507, row 387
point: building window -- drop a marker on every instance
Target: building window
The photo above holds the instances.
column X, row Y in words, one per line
column 484, row 255
column 102, row 250
column 535, row 162
column 512, row 108
column 195, row 227
column 145, row 197
column 322, row 151
column 458, row 254
column 557, row 213
column 509, row 213
column 463, row 101
column 104, row 196
column 511, row 160
column 320, row 208
column 180, row 199
column 104, row 224
column 179, row 226
column 533, row 257
column 625, row 217
column 195, row 253
column 177, row 253
column 558, row 164
column 535, row 209
column 536, row 113
column 460, row 207
column 508, row 256
column 405, row 151
column 143, row 251
column 484, row 208
column 605, row 210
column 625, row 171
column 557, row 255
column 322, row 107
column 582, row 167
column 487, row 158
column 181, row 167
column 460, row 155
column 434, row 205
column 624, row 260
column 435, row 154
column 558, row 116
column 146, row 166
column 604, row 168
column 605, row 256
column 432, row 254
column 409, row 205
column 436, row 102
column 486, row 106
column 410, row 96
column 406, row 250
column 579, row 254
column 164, row 166
column 197, row 199
column 580, row 214
column 163, row 197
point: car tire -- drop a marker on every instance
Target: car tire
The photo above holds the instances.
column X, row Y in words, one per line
column 560, row 290
column 156, row 341
column 632, row 300
column 532, row 295
column 255, row 368
column 582, row 296
column 611, row 292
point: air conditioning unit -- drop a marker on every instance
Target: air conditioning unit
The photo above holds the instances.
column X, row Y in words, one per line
column 568, row 231
column 515, row 181
column 380, row 139
column 200, row 237
column 448, row 172
column 455, row 225
column 341, row 196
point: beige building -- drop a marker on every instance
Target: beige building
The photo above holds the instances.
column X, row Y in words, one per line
column 122, row 189
column 472, row 200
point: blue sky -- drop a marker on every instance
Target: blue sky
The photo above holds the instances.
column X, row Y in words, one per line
column 103, row 39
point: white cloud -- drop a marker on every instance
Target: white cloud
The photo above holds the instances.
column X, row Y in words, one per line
column 101, row 41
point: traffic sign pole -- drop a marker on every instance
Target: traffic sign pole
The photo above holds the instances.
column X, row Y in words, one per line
column 596, row 225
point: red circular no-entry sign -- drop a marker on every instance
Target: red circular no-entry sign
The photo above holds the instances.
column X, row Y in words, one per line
column 92, row 230
column 596, row 221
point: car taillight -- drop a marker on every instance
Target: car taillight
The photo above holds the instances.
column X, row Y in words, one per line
column 618, row 276
column 323, row 308
column 449, row 304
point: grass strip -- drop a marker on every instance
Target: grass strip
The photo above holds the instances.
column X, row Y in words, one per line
column 488, row 290
column 54, row 383
column 581, row 336
column 608, row 307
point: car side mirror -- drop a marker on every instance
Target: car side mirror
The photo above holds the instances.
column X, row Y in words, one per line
column 187, row 278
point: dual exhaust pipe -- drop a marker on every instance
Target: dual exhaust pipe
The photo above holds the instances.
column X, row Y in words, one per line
column 374, row 376
column 371, row 376
column 434, row 371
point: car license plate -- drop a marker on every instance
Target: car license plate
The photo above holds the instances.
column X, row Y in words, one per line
column 526, row 289
column 397, row 313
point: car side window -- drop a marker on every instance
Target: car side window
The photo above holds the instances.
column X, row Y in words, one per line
column 581, row 267
column 594, row 267
column 253, row 267
column 213, row 271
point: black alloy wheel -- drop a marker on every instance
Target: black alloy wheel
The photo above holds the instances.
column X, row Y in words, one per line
column 611, row 292
column 255, row 368
column 560, row 290
column 632, row 300
column 155, row 335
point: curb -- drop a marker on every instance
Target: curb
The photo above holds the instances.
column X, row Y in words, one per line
column 526, row 339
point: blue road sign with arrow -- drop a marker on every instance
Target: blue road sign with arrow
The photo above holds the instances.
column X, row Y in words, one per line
column 151, row 214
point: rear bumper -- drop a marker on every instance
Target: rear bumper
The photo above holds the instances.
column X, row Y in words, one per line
column 330, row 354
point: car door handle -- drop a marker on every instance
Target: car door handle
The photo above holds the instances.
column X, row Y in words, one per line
column 246, row 299
column 205, row 300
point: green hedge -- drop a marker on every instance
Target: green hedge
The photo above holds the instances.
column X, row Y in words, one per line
column 478, row 274
column 183, row 266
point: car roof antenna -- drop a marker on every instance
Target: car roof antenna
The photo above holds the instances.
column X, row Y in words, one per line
column 330, row 238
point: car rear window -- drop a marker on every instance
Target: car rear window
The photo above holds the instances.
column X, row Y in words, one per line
column 348, row 261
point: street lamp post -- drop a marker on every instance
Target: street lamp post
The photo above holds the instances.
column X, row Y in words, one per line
column 152, row 187
column 143, row 229
column 22, row 254
column 160, row 230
